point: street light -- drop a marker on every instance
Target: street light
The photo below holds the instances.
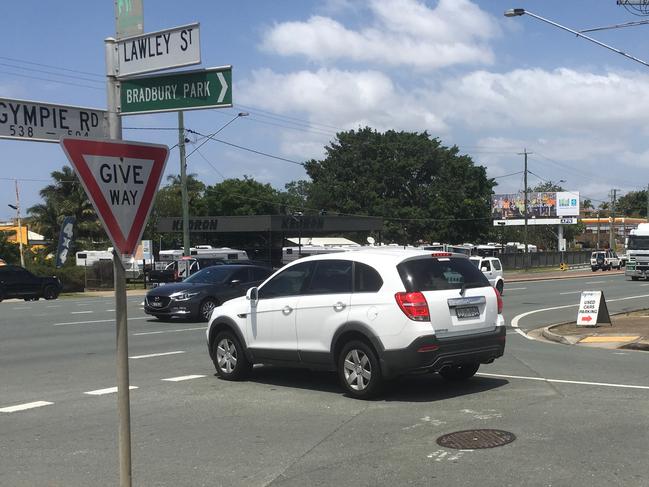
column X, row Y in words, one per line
column 517, row 12
column 183, row 171
column 20, row 227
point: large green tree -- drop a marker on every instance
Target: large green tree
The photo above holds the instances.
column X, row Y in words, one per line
column 421, row 188
column 242, row 197
column 634, row 203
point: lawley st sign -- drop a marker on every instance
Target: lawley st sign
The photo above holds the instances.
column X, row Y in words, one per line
column 187, row 90
column 155, row 51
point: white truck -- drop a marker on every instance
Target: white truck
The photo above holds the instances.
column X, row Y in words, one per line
column 637, row 251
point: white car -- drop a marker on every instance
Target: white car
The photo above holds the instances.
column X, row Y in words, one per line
column 367, row 316
column 492, row 268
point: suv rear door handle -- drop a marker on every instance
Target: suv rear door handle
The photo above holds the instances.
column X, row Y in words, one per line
column 287, row 310
column 339, row 306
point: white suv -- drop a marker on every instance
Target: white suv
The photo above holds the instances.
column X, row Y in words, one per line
column 492, row 269
column 368, row 315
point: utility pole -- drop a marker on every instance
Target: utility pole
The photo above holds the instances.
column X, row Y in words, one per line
column 647, row 202
column 597, row 247
column 183, row 182
column 611, row 237
column 525, row 208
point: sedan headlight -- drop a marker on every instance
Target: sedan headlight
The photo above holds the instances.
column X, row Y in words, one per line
column 182, row 295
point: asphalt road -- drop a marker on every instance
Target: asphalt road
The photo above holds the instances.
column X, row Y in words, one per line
column 580, row 415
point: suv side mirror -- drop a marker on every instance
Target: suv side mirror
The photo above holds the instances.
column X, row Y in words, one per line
column 252, row 295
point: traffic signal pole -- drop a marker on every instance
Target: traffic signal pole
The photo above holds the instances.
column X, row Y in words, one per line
column 121, row 319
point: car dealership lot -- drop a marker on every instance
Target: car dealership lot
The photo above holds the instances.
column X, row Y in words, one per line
column 583, row 425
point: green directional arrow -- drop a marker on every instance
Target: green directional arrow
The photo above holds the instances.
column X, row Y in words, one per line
column 189, row 90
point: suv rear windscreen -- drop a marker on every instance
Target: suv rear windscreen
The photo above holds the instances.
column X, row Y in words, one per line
column 430, row 274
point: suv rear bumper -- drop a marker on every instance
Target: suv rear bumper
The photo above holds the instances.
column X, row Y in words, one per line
column 481, row 348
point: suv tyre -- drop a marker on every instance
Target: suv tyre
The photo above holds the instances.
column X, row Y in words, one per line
column 359, row 370
column 229, row 357
column 459, row 372
column 206, row 308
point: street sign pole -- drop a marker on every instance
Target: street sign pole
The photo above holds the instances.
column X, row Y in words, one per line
column 121, row 319
column 183, row 182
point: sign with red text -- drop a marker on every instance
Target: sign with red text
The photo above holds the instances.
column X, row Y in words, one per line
column 121, row 179
column 592, row 309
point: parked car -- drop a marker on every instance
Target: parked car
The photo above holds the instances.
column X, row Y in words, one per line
column 492, row 268
column 604, row 260
column 200, row 293
column 367, row 316
column 173, row 272
column 18, row 282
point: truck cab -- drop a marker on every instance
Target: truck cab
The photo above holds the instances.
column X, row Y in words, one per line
column 637, row 251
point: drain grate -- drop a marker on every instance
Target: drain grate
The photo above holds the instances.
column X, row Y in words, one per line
column 476, row 439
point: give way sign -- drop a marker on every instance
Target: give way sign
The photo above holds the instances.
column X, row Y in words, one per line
column 121, row 179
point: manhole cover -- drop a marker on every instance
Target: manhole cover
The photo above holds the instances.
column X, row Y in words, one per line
column 476, row 439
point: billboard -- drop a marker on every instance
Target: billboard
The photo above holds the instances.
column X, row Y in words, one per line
column 547, row 208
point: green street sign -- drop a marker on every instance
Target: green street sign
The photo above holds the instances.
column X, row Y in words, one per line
column 188, row 90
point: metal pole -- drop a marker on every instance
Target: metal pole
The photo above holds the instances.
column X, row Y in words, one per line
column 611, row 237
column 525, row 210
column 183, row 182
column 597, row 247
column 20, row 227
column 647, row 202
column 121, row 319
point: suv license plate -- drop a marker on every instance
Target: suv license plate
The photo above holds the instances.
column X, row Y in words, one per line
column 467, row 312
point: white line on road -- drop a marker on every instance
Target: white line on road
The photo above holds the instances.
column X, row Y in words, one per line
column 54, row 306
column 109, row 310
column 595, row 282
column 23, row 307
column 23, row 407
column 183, row 377
column 515, row 288
column 571, row 292
column 517, row 318
column 84, row 304
column 108, row 390
column 80, row 312
column 162, row 354
column 168, row 331
column 97, row 321
column 562, row 381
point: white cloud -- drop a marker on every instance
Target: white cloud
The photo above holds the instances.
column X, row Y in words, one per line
column 344, row 99
column 401, row 33
column 562, row 99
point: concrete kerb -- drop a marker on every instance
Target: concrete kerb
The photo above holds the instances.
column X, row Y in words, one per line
column 548, row 334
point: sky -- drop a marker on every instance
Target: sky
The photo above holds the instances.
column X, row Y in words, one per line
column 304, row 70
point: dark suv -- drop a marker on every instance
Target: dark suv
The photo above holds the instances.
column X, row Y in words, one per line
column 17, row 282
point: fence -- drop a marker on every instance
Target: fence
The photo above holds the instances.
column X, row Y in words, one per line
column 545, row 259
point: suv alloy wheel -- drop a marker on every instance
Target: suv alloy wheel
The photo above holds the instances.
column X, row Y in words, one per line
column 359, row 370
column 229, row 358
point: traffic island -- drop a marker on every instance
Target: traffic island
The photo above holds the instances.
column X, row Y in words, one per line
column 628, row 331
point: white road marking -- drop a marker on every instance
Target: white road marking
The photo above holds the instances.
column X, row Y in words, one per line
column 563, row 381
column 54, row 306
column 515, row 288
column 646, row 284
column 108, row 390
column 162, row 354
column 97, row 321
column 571, row 292
column 517, row 318
column 595, row 282
column 109, row 310
column 168, row 331
column 183, row 377
column 23, row 307
column 23, row 407
column 84, row 304
column 80, row 312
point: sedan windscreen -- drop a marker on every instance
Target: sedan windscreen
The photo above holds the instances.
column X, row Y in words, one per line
column 432, row 274
column 210, row 275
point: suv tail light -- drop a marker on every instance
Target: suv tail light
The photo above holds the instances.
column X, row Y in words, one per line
column 413, row 305
column 500, row 301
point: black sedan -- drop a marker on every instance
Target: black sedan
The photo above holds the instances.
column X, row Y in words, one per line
column 198, row 295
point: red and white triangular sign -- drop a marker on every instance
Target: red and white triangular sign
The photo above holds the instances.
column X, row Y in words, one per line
column 121, row 179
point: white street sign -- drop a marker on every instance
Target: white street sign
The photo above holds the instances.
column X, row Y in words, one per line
column 45, row 122
column 592, row 309
column 155, row 51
